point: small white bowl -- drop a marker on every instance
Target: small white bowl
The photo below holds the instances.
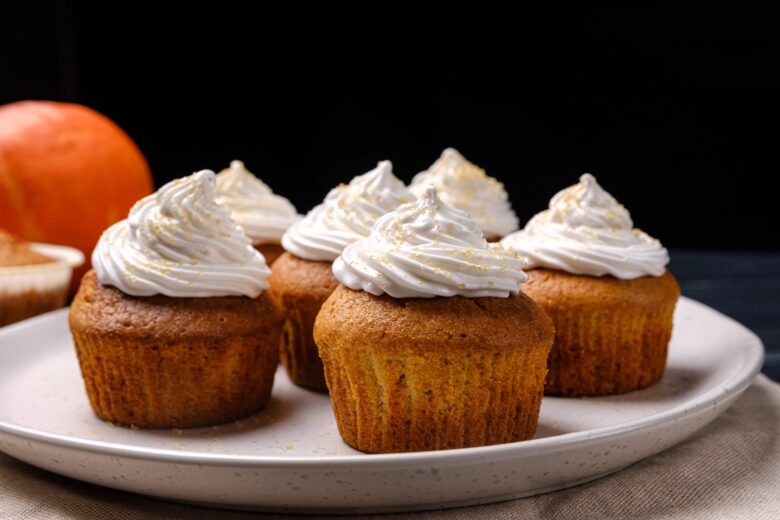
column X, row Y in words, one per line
column 29, row 290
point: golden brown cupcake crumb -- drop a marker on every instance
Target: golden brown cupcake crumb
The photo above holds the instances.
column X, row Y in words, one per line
column 161, row 362
column 271, row 252
column 299, row 288
column 419, row 374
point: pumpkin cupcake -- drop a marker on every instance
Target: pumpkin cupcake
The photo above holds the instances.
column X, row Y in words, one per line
column 173, row 327
column 34, row 278
column 605, row 285
column 302, row 279
column 465, row 185
column 264, row 215
column 428, row 343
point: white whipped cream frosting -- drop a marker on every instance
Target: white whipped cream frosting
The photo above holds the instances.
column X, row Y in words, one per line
column 464, row 185
column 586, row 231
column 428, row 248
column 179, row 242
column 264, row 215
column 346, row 215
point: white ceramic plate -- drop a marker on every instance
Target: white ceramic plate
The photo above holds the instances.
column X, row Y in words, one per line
column 290, row 456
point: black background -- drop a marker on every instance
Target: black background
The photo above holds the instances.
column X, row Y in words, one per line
column 674, row 112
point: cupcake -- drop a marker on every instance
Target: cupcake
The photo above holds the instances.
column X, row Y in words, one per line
column 264, row 215
column 428, row 342
column 302, row 279
column 605, row 285
column 173, row 327
column 34, row 278
column 467, row 187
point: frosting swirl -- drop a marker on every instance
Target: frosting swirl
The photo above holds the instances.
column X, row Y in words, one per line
column 264, row 215
column 466, row 186
column 426, row 249
column 586, row 231
column 179, row 242
column 346, row 214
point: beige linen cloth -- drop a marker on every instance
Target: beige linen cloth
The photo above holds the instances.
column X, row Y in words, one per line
column 730, row 469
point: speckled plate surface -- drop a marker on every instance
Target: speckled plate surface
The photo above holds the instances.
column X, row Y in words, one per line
column 290, row 456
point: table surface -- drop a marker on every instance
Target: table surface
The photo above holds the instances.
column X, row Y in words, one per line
column 743, row 285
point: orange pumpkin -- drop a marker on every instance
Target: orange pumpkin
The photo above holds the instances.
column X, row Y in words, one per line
column 66, row 173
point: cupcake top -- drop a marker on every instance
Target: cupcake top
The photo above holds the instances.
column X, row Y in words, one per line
column 346, row 214
column 586, row 231
column 428, row 248
column 179, row 242
column 464, row 185
column 264, row 215
column 16, row 252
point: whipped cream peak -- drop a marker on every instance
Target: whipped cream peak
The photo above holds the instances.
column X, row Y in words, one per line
column 237, row 175
column 588, row 204
column 347, row 214
column 428, row 248
column 374, row 179
column 586, row 231
column 179, row 242
column 264, row 215
column 466, row 186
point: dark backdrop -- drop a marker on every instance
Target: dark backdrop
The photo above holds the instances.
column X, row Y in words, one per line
column 675, row 113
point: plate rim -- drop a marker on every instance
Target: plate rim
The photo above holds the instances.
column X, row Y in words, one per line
column 734, row 385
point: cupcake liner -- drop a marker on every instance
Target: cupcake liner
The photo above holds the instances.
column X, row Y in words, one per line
column 297, row 349
column 182, row 385
column 611, row 336
column 606, row 353
column 417, row 401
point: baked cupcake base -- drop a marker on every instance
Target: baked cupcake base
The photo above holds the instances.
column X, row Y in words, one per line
column 271, row 252
column 611, row 335
column 421, row 374
column 160, row 362
column 299, row 288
